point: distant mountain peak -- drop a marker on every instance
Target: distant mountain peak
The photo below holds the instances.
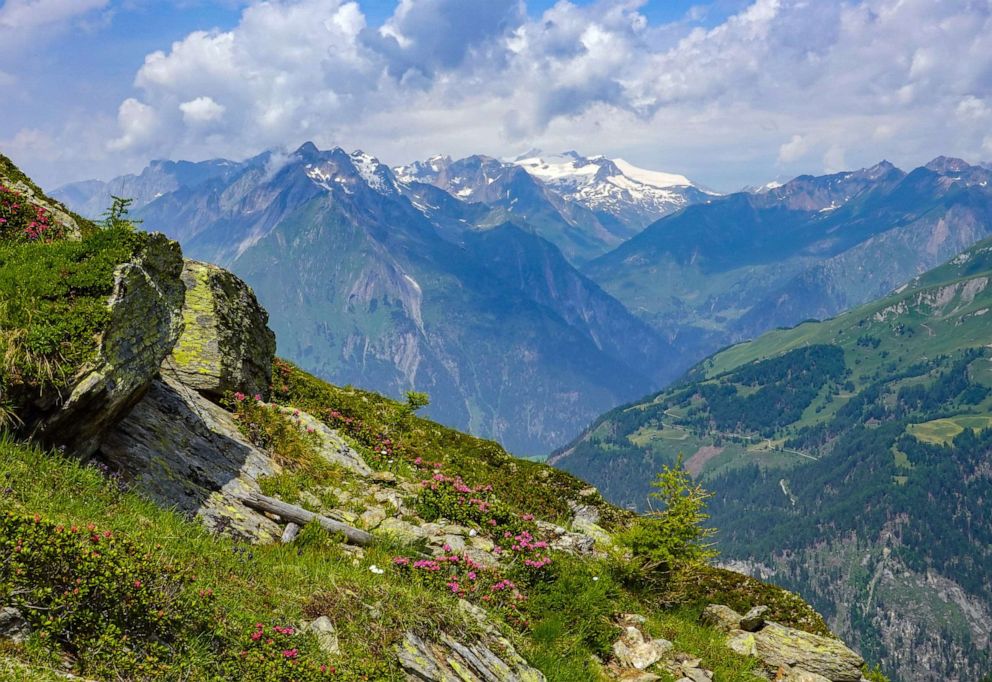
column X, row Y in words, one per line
column 947, row 164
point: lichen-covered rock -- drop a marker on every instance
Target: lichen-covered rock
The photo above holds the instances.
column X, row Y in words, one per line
column 490, row 659
column 331, row 446
column 721, row 617
column 634, row 650
column 184, row 451
column 327, row 637
column 144, row 324
column 13, row 625
column 778, row 645
column 226, row 345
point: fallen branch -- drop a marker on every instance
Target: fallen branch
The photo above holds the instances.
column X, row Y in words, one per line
column 300, row 516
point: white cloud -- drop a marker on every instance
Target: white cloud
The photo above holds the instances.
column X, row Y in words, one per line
column 834, row 160
column 861, row 79
column 793, row 150
column 201, row 110
column 138, row 123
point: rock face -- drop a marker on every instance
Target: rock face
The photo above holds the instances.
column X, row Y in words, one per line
column 448, row 660
column 226, row 345
column 145, row 322
column 798, row 655
column 184, row 451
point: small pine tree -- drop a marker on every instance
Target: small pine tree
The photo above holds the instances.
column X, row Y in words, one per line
column 117, row 216
column 416, row 400
column 675, row 536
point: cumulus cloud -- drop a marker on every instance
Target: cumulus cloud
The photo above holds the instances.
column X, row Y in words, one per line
column 138, row 123
column 862, row 80
column 793, row 150
column 201, row 110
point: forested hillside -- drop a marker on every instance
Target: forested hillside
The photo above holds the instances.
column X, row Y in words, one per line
column 851, row 461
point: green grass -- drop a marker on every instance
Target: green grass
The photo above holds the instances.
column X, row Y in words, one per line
column 273, row 584
column 53, row 305
column 943, row 431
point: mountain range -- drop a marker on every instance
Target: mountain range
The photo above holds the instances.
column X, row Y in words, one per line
column 851, row 461
column 541, row 268
column 399, row 285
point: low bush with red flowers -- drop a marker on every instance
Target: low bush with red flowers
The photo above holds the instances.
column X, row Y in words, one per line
column 100, row 598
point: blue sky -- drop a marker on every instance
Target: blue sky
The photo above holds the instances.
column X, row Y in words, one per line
column 729, row 92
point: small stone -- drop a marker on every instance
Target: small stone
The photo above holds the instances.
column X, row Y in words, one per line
column 327, row 636
column 482, row 543
column 13, row 626
column 401, row 530
column 387, row 477
column 632, row 650
column 754, row 619
column 721, row 617
column 388, row 497
column 588, row 492
column 697, row 674
column 371, row 518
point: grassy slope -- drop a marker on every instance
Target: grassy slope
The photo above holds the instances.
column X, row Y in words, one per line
column 278, row 584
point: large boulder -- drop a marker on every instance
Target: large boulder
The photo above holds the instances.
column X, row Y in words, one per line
column 802, row 655
column 145, row 322
column 183, row 451
column 226, row 345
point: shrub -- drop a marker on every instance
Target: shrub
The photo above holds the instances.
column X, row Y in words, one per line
column 275, row 653
column 116, row 608
column 22, row 221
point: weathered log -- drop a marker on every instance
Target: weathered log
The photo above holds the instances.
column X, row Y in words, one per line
column 300, row 516
column 289, row 534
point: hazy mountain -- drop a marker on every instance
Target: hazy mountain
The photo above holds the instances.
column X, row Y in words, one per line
column 851, row 462
column 735, row 266
column 394, row 285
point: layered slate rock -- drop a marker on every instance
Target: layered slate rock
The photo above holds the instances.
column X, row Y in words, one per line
column 184, row 451
column 226, row 345
column 490, row 659
column 145, row 322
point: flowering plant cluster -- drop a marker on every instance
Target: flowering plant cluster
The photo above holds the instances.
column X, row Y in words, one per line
column 461, row 576
column 449, row 497
column 383, row 448
column 21, row 220
column 86, row 590
column 279, row 653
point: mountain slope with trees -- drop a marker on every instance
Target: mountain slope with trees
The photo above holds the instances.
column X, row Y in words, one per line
column 850, row 459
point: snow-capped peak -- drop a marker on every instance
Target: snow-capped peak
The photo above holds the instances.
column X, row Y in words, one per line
column 375, row 174
column 633, row 195
column 653, row 178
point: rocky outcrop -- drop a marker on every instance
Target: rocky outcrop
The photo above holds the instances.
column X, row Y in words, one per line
column 490, row 659
column 226, row 345
column 184, row 451
column 788, row 653
column 144, row 324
